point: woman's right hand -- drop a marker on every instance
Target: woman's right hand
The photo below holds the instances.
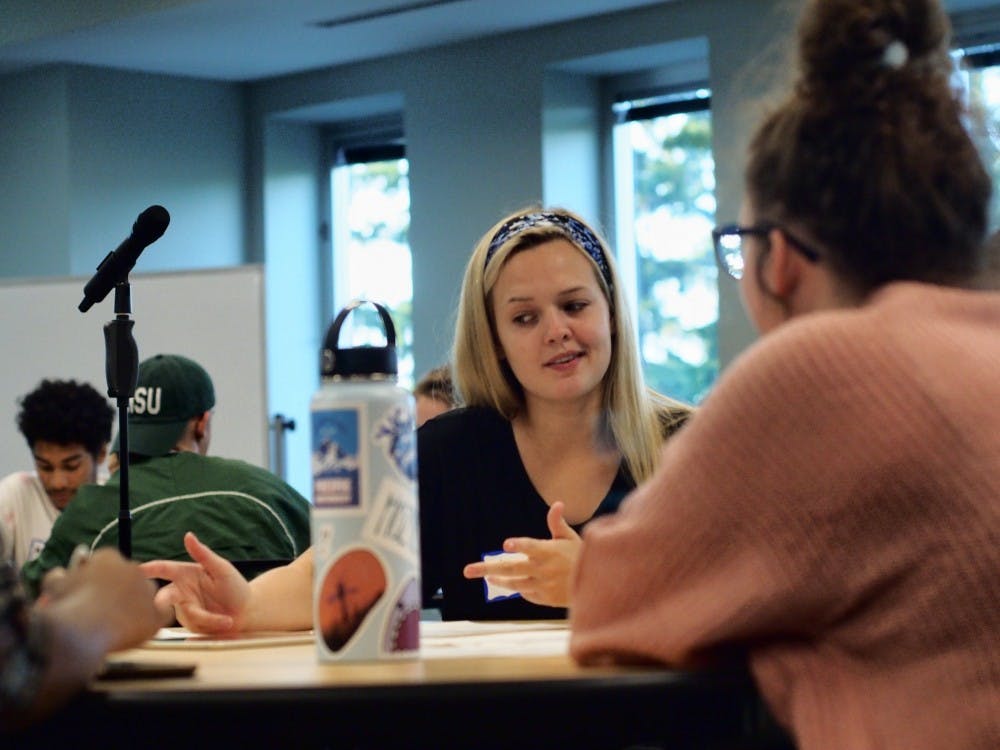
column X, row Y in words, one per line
column 208, row 595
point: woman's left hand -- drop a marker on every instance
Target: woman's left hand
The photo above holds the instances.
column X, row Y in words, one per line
column 541, row 573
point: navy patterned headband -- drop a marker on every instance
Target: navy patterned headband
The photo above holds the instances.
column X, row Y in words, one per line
column 580, row 232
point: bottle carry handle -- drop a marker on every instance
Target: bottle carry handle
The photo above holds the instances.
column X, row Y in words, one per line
column 362, row 360
column 333, row 335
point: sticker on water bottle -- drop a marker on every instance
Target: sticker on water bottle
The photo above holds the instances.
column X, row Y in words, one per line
column 395, row 433
column 350, row 589
column 393, row 520
column 336, row 456
column 402, row 626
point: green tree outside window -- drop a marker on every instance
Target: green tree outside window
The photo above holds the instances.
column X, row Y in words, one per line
column 668, row 220
column 371, row 221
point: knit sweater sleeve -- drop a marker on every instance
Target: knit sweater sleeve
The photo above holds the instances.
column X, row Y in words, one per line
column 740, row 533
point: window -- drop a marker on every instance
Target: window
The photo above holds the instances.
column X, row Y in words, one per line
column 371, row 253
column 982, row 80
column 664, row 214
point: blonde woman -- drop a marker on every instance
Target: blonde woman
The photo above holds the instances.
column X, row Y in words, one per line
column 557, row 427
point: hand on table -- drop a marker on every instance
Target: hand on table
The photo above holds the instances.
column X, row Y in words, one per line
column 541, row 574
column 86, row 612
column 107, row 599
column 208, row 595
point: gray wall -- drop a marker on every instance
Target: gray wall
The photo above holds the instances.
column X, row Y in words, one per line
column 85, row 150
column 293, row 285
column 474, row 129
column 35, row 179
column 474, row 117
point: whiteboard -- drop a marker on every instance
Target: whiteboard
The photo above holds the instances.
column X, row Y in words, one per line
column 215, row 317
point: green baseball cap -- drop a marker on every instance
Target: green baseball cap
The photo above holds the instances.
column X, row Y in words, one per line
column 171, row 389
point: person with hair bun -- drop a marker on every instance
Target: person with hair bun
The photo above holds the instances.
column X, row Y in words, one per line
column 833, row 510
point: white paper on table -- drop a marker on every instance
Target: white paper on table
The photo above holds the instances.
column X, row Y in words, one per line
column 461, row 638
column 182, row 638
column 438, row 639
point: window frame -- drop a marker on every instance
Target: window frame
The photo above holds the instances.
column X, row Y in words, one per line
column 639, row 104
column 366, row 141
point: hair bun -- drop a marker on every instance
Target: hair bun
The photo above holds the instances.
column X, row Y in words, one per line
column 844, row 43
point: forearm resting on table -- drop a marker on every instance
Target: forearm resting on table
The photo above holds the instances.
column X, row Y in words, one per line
column 281, row 598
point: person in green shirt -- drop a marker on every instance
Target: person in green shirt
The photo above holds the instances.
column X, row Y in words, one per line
column 243, row 511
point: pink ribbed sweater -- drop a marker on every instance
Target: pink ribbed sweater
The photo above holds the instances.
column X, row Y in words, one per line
column 834, row 507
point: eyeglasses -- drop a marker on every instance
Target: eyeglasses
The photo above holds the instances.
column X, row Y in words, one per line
column 728, row 242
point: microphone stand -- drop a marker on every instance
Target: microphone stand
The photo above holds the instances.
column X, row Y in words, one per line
column 122, row 370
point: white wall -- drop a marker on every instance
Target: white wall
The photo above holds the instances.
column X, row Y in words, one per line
column 215, row 317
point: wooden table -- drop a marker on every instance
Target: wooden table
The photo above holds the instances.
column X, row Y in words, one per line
column 280, row 696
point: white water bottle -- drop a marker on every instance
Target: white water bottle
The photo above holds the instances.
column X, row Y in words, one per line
column 365, row 520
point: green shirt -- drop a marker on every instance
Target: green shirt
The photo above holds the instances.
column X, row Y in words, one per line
column 241, row 511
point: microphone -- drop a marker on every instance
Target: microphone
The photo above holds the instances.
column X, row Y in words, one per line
column 148, row 228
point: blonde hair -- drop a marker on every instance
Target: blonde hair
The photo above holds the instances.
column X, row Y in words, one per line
column 437, row 384
column 637, row 418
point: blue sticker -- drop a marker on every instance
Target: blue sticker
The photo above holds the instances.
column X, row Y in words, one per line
column 335, row 458
column 395, row 433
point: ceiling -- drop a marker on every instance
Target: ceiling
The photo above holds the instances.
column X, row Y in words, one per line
column 246, row 40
